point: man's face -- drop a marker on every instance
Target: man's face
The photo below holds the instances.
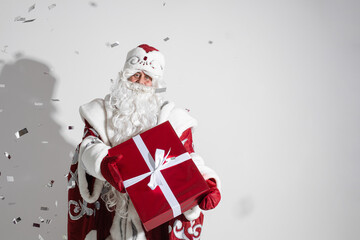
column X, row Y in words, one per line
column 141, row 78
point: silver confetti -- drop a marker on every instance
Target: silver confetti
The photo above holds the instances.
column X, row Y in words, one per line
column 44, row 142
column 19, row 19
column 38, row 103
column 7, row 155
column 16, row 220
column 2, row 197
column 44, row 208
column 41, row 219
column 166, row 39
column 160, row 90
column 31, row 8
column 30, row 20
column 10, row 178
column 48, row 221
column 56, row 203
column 114, row 44
column 21, row 133
column 51, row 6
column 36, row 225
column 50, row 184
column 2, row 85
column 40, row 237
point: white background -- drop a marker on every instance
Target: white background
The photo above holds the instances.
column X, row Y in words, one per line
column 274, row 86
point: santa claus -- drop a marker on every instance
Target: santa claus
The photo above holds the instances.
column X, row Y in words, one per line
column 98, row 208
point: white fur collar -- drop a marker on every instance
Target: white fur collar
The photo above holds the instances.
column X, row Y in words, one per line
column 98, row 114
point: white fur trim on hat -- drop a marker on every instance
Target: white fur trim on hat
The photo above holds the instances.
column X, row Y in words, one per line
column 148, row 60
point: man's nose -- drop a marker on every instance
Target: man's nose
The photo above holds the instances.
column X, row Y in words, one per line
column 141, row 80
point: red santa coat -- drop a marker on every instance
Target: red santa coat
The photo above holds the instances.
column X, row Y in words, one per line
column 88, row 217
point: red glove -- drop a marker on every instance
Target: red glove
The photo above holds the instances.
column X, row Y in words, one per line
column 212, row 199
column 109, row 170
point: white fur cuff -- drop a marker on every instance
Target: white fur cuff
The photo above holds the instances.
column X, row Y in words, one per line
column 92, row 152
column 193, row 213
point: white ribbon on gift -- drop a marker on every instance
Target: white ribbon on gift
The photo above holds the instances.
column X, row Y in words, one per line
column 156, row 178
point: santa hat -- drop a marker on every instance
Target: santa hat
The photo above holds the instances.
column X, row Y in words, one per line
column 148, row 60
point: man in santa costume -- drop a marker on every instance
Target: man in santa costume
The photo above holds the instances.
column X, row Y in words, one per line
column 98, row 207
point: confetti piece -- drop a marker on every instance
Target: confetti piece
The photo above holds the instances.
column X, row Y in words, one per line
column 160, row 90
column 64, row 237
column 50, row 184
column 44, row 142
column 51, row 6
column 41, row 219
column 31, row 8
column 7, row 155
column 210, row 42
column 2, row 197
column 55, row 100
column 164, row 4
column 166, row 39
column 56, row 203
column 21, row 133
column 36, row 225
column 19, row 19
column 40, row 237
column 66, row 175
column 70, row 127
column 38, row 103
column 44, row 208
column 114, row 44
column 2, row 85
column 16, row 220
column 48, row 221
column 30, row 20
column 10, row 178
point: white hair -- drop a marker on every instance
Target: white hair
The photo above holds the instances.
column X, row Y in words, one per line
column 135, row 109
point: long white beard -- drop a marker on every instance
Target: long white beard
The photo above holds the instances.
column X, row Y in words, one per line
column 135, row 109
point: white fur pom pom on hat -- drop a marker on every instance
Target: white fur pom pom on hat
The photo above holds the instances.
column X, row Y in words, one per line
column 148, row 60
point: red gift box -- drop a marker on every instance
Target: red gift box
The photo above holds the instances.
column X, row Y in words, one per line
column 160, row 177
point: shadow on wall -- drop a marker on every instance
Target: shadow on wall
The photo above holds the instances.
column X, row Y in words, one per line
column 29, row 163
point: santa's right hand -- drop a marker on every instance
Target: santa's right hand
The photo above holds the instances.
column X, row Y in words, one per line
column 110, row 171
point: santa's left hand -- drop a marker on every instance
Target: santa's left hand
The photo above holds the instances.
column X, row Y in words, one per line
column 212, row 199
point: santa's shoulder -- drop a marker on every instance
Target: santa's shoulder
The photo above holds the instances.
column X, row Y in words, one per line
column 179, row 118
column 95, row 114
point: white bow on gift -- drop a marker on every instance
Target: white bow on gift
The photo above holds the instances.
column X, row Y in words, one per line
column 155, row 179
